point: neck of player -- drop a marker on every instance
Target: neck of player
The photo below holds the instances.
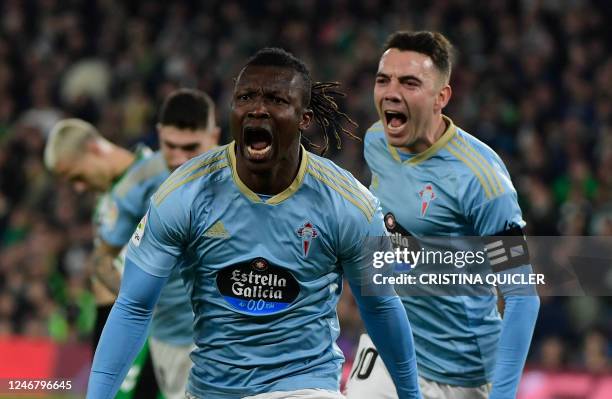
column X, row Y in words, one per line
column 272, row 181
column 121, row 161
column 432, row 134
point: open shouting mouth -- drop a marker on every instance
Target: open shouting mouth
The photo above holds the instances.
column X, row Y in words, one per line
column 258, row 143
column 395, row 120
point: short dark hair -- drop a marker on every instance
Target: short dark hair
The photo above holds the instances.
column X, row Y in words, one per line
column 187, row 109
column 433, row 44
column 278, row 57
column 320, row 97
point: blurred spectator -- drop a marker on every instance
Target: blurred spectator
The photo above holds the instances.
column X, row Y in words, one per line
column 552, row 354
column 596, row 351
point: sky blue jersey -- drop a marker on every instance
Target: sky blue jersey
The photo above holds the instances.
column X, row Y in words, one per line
column 264, row 274
column 120, row 211
column 458, row 187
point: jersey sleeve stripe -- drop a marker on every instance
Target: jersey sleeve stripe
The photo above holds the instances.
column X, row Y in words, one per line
column 159, row 198
column 173, row 178
column 365, row 210
column 473, row 168
column 479, row 156
column 345, row 183
column 329, row 170
column 354, row 184
column 213, row 157
column 484, row 167
column 351, row 188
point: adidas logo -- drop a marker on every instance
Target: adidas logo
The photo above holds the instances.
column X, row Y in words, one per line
column 217, row 230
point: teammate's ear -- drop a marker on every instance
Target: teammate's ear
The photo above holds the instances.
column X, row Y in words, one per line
column 93, row 146
column 443, row 97
column 98, row 147
column 307, row 116
column 215, row 134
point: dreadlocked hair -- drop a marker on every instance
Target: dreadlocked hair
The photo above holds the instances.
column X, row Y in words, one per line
column 320, row 97
column 327, row 114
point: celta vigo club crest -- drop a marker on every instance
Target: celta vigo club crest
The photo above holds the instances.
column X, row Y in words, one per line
column 307, row 233
column 427, row 195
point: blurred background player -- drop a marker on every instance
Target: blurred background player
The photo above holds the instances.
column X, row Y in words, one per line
column 186, row 128
column 434, row 179
column 78, row 153
column 265, row 231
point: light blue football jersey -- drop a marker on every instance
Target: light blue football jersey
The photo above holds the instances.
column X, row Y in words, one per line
column 264, row 274
column 459, row 187
column 120, row 211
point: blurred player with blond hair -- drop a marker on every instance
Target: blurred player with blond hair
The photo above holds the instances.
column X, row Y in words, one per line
column 77, row 152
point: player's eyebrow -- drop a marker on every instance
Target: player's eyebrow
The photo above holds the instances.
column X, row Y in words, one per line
column 259, row 90
column 401, row 79
column 406, row 78
column 184, row 147
column 246, row 90
column 275, row 92
column 189, row 147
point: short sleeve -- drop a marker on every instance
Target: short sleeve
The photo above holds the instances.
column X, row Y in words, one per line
column 361, row 241
column 159, row 238
column 496, row 215
column 119, row 218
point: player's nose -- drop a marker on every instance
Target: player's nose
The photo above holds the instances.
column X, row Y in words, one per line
column 392, row 94
column 79, row 187
column 178, row 159
column 391, row 91
column 258, row 109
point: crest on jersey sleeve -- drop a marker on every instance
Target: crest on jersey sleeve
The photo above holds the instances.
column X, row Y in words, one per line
column 427, row 195
column 307, row 232
column 140, row 230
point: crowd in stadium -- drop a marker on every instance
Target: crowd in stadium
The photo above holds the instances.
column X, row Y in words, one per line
column 531, row 80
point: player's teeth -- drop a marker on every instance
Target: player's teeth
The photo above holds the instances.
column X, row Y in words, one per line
column 261, row 152
column 390, row 125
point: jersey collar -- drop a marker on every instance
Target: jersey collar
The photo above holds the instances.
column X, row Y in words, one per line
column 448, row 134
column 278, row 198
column 141, row 152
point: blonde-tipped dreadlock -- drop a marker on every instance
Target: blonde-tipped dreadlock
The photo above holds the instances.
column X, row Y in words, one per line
column 327, row 113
